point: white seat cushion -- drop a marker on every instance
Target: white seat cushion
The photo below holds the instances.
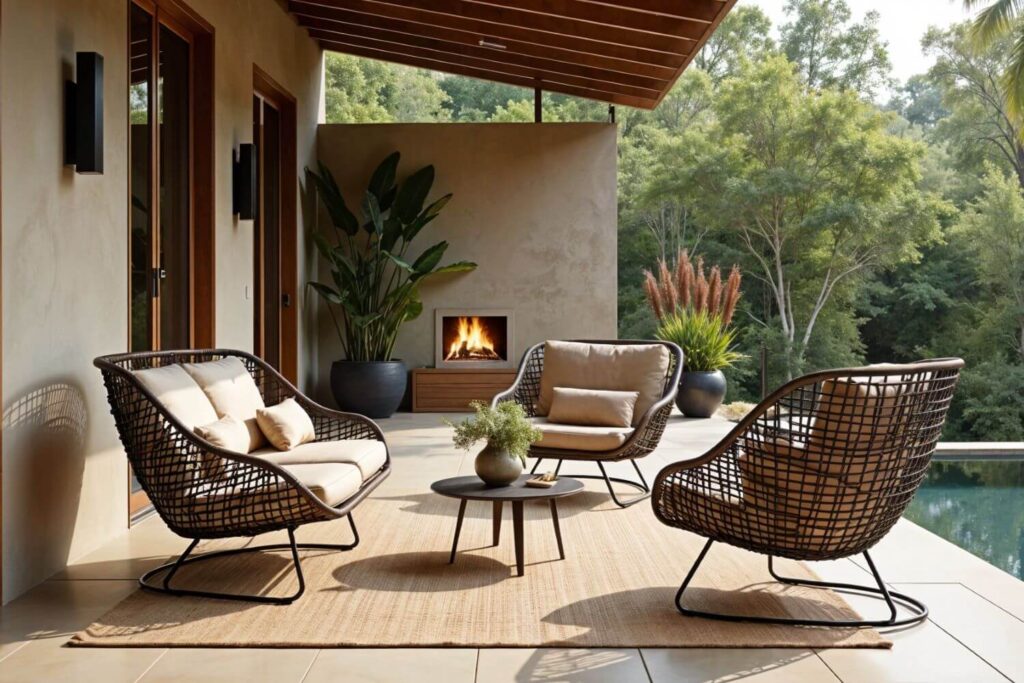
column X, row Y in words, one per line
column 232, row 391
column 369, row 456
column 579, row 437
column 333, row 483
column 179, row 394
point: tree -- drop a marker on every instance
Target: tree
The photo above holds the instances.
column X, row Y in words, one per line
column 993, row 226
column 744, row 34
column 919, row 101
column 831, row 51
column 812, row 184
column 995, row 23
column 980, row 127
column 361, row 90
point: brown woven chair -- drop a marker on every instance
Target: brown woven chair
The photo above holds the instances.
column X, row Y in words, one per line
column 820, row 470
column 204, row 492
column 644, row 438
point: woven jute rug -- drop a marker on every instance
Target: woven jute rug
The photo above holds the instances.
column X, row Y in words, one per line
column 615, row 589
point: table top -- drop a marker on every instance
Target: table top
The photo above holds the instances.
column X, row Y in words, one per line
column 472, row 488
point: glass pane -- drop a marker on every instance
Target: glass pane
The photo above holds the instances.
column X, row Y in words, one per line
column 175, row 205
column 271, row 200
column 141, row 159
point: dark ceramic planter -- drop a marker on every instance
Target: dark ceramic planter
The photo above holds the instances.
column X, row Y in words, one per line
column 700, row 393
column 371, row 388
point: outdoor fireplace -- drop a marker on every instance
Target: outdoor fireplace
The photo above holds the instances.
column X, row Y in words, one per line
column 473, row 338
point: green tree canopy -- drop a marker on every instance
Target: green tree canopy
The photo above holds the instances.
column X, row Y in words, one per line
column 812, row 185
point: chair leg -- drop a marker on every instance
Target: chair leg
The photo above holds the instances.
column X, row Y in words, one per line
column 918, row 610
column 640, row 486
column 172, row 568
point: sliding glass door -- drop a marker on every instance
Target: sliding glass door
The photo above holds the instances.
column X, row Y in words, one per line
column 160, row 105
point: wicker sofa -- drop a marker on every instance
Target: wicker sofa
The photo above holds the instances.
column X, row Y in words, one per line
column 597, row 445
column 820, row 470
column 205, row 492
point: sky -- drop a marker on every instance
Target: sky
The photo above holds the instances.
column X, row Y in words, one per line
column 902, row 24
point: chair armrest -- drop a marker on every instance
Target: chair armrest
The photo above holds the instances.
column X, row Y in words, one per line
column 335, row 425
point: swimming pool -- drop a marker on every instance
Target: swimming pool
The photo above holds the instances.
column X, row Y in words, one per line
column 978, row 505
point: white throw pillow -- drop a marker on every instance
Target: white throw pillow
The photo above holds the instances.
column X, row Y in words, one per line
column 232, row 391
column 179, row 394
column 286, row 425
column 228, row 433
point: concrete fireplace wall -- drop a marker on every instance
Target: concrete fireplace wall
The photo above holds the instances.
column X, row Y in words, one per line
column 534, row 205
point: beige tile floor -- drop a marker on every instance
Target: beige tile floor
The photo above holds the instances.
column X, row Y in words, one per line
column 975, row 633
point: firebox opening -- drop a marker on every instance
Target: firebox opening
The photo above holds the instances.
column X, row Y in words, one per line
column 475, row 338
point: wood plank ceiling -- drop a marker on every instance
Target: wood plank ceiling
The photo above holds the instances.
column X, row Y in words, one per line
column 626, row 52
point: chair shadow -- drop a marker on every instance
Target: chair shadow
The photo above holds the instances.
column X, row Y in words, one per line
column 421, row 572
column 769, row 598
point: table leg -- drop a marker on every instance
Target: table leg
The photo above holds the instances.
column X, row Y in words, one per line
column 558, row 529
column 496, row 523
column 517, row 530
column 458, row 530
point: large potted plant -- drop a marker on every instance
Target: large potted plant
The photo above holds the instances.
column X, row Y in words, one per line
column 374, row 281
column 695, row 311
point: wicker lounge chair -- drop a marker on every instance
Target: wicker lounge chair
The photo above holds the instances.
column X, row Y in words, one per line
column 204, row 492
column 644, row 435
column 820, row 470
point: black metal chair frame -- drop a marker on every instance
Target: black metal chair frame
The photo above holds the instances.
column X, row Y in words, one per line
column 644, row 439
column 203, row 492
column 706, row 495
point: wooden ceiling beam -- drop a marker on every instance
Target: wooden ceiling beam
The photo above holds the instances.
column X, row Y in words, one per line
column 400, row 52
column 386, row 40
column 727, row 5
column 689, row 22
column 367, row 22
column 500, row 76
column 705, row 10
column 497, row 18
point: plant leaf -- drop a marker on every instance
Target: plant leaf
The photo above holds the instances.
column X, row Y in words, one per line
column 383, row 178
column 429, row 259
column 457, row 267
column 329, row 293
column 404, row 265
column 330, row 195
column 372, row 209
column 412, row 194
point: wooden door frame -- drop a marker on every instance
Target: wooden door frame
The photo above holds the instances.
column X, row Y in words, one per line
column 264, row 86
column 180, row 18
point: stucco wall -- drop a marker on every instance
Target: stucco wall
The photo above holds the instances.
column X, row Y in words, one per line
column 65, row 242
column 534, row 205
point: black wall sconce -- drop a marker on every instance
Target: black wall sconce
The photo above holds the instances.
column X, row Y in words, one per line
column 244, row 182
column 83, row 114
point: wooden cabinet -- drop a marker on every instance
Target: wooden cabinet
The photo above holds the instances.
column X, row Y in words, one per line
column 443, row 390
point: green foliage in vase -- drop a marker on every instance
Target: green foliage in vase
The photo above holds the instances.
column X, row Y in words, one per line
column 503, row 427
column 374, row 284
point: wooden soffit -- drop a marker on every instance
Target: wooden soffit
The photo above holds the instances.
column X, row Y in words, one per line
column 629, row 52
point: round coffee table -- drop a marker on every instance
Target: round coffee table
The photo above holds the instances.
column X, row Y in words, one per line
column 471, row 488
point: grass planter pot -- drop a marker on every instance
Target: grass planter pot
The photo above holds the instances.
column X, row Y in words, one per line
column 372, row 388
column 700, row 393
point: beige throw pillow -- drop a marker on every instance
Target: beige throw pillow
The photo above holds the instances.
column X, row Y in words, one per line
column 228, row 433
column 617, row 367
column 178, row 394
column 593, row 407
column 232, row 391
column 286, row 425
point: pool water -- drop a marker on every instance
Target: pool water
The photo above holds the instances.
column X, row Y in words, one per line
column 979, row 506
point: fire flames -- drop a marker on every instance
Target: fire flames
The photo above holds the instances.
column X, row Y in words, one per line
column 472, row 342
